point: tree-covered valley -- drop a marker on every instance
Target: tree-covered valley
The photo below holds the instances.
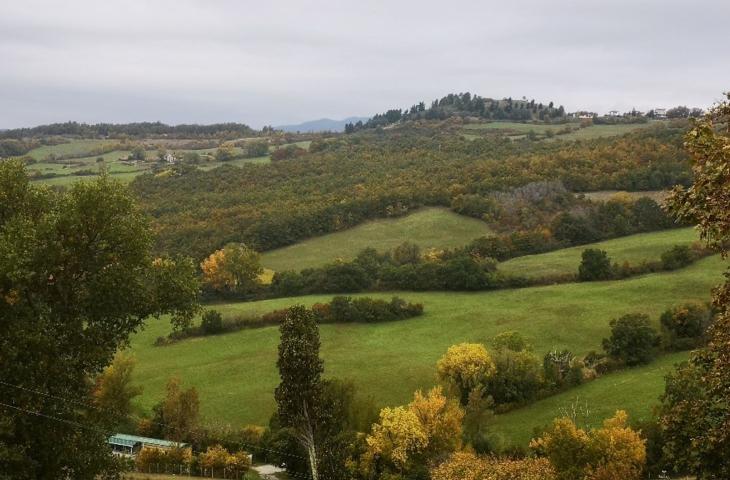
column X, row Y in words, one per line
column 452, row 291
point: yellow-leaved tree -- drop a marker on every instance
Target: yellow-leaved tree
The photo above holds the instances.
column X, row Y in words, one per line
column 464, row 367
column 114, row 391
column 426, row 430
column 395, row 439
column 233, row 269
column 468, row 466
column 441, row 420
column 613, row 452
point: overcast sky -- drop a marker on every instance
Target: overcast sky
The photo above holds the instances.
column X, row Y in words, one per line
column 273, row 62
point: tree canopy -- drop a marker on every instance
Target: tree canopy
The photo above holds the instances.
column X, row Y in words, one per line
column 76, row 279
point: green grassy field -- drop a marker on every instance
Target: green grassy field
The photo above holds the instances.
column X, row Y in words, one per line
column 235, row 373
column 604, row 195
column 428, row 227
column 633, row 249
column 67, row 170
column 514, row 128
column 74, row 147
column 635, row 390
column 597, row 131
column 518, row 130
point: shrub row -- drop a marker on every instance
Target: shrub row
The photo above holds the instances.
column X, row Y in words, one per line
column 456, row 270
column 596, row 265
column 338, row 310
column 521, row 379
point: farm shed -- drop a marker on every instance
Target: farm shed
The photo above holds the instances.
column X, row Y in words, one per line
column 130, row 445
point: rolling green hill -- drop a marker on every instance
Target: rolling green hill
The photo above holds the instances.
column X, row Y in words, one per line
column 633, row 249
column 236, row 373
column 70, row 170
column 428, row 227
column 635, row 390
column 551, row 131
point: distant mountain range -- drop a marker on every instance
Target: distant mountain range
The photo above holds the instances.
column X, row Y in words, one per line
column 321, row 125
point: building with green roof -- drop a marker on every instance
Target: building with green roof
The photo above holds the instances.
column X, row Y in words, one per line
column 130, row 445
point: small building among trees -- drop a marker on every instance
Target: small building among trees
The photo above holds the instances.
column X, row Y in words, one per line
column 130, row 445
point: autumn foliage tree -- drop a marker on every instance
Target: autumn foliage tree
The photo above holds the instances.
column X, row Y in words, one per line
column 464, row 367
column 405, row 438
column 695, row 413
column 180, row 410
column 614, row 451
column 468, row 466
column 113, row 389
column 233, row 269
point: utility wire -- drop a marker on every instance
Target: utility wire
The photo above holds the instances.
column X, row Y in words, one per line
column 136, row 417
column 86, row 427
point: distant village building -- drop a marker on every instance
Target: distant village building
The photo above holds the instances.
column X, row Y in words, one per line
column 130, row 445
column 582, row 114
column 660, row 113
column 613, row 113
column 170, row 158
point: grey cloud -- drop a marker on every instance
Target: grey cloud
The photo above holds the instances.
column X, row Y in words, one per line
column 280, row 62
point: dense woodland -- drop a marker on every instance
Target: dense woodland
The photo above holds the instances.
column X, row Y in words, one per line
column 68, row 252
column 343, row 181
column 140, row 129
column 466, row 104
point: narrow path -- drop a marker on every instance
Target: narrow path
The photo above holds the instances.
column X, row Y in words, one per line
column 267, row 471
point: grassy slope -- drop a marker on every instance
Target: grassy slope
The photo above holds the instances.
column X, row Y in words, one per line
column 596, row 131
column 67, row 169
column 516, row 129
column 632, row 249
column 74, row 147
column 429, row 227
column 604, row 195
column 635, row 390
column 236, row 373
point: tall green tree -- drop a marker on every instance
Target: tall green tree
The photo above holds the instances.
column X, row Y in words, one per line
column 695, row 413
column 594, row 265
column 299, row 394
column 76, row 279
column 633, row 339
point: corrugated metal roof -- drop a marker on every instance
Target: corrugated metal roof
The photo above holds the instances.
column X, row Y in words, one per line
column 131, row 440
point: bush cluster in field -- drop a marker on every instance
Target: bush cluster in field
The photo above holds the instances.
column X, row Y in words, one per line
column 406, row 268
column 521, row 377
column 338, row 310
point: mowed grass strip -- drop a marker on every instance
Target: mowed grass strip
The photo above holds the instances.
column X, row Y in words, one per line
column 604, row 195
column 74, row 147
column 633, row 249
column 636, row 390
column 517, row 129
column 428, row 227
column 236, row 373
column 599, row 131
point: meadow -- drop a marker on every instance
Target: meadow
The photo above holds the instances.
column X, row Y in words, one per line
column 428, row 227
column 603, row 195
column 633, row 249
column 76, row 147
column 235, row 373
column 518, row 130
column 636, row 390
column 70, row 170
